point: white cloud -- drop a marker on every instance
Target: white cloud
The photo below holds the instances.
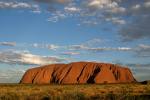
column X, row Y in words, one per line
column 70, row 53
column 147, row 4
column 20, row 5
column 124, row 49
column 8, row 43
column 136, row 7
column 84, row 11
column 52, row 46
column 47, row 46
column 56, row 16
column 94, row 12
column 99, row 3
column 93, row 42
column 98, row 49
column 105, row 5
column 142, row 50
column 116, row 20
column 94, row 46
column 14, row 5
column 24, row 57
column 77, row 47
column 118, row 10
column 143, row 46
column 36, row 9
column 139, row 27
column 54, row 1
column 110, row 49
column 72, row 9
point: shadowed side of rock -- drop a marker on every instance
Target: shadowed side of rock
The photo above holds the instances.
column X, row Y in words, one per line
column 78, row 73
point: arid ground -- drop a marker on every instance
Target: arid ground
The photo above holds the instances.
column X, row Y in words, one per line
column 75, row 92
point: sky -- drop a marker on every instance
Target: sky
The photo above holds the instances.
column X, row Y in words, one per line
column 40, row 32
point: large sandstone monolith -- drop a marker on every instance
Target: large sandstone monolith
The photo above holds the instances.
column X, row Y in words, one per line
column 78, row 73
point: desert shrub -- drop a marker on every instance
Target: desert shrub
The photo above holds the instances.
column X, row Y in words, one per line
column 137, row 97
column 143, row 97
column 32, row 97
column 9, row 96
column 58, row 97
column 74, row 96
column 75, row 92
column 147, row 91
column 59, row 90
column 38, row 97
column 127, row 97
column 46, row 98
column 96, row 97
column 111, row 96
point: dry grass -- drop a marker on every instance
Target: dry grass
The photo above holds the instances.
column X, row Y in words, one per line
column 74, row 92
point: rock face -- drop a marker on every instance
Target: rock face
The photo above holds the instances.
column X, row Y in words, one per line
column 78, row 73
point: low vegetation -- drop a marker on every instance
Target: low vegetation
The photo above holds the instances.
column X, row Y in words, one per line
column 75, row 92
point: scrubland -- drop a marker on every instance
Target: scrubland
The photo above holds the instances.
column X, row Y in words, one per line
column 75, row 92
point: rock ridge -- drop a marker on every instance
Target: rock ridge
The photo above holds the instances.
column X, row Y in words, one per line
column 78, row 73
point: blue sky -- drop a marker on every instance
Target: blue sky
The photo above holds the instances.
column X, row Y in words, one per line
column 39, row 32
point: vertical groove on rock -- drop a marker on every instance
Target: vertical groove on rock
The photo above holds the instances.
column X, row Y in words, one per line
column 53, row 79
column 117, row 75
column 114, row 72
column 81, row 73
column 66, row 73
column 35, row 76
column 61, row 74
column 92, row 77
column 44, row 73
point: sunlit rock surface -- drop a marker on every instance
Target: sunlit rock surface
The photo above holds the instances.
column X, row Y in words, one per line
column 78, row 73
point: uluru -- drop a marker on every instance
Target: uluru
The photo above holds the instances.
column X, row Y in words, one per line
column 78, row 73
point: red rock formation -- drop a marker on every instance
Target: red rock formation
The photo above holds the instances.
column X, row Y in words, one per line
column 77, row 73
